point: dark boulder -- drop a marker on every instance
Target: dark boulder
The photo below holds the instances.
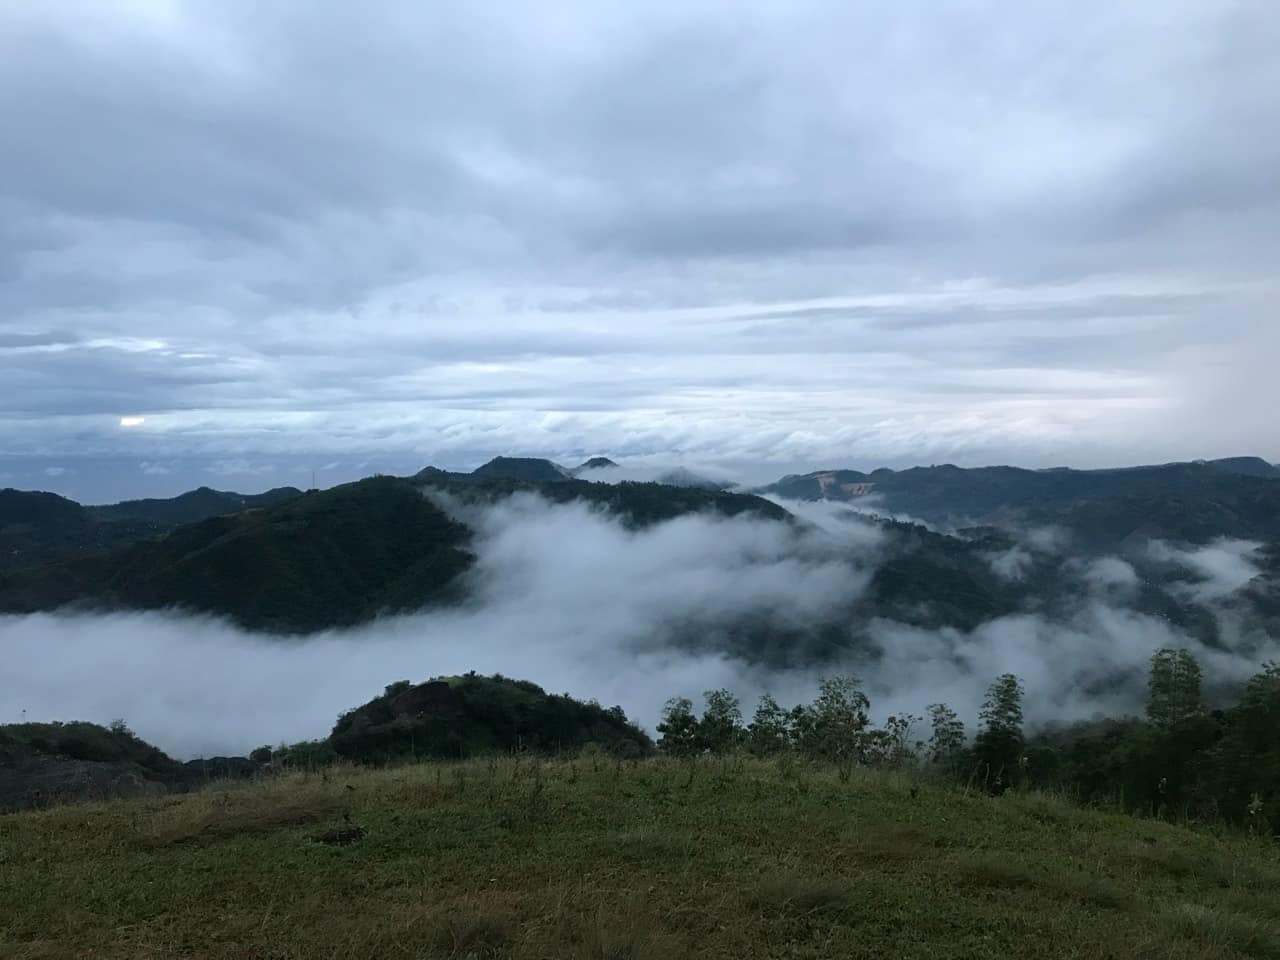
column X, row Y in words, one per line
column 424, row 700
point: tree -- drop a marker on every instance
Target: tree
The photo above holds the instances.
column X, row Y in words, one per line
column 1173, row 690
column 891, row 746
column 119, row 726
column 400, row 686
column 947, row 740
column 999, row 745
column 831, row 727
column 1247, row 758
column 770, row 729
column 720, row 729
column 679, row 728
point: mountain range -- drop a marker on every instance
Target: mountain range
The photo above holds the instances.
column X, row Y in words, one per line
column 288, row 561
column 1189, row 502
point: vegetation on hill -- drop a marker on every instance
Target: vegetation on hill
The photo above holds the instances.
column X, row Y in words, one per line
column 327, row 559
column 594, row 463
column 526, row 469
column 42, row 764
column 1191, row 502
column 192, row 506
column 927, row 579
column 471, row 715
column 324, row 559
column 1182, row 762
column 636, row 504
column 652, row 860
column 1246, row 466
column 1251, row 513
column 84, row 741
column 37, row 528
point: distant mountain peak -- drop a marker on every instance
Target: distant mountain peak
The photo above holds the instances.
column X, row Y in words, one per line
column 1246, row 466
column 595, row 463
column 528, row 469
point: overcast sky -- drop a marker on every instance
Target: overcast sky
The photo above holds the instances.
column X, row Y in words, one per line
column 789, row 235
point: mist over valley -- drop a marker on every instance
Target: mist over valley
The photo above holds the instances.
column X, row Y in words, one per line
column 265, row 619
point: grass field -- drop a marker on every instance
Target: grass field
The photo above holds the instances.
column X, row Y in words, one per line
column 598, row 859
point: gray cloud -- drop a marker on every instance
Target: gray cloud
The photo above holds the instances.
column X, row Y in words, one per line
column 726, row 233
column 1220, row 569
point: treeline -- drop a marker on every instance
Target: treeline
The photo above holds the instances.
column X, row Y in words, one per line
column 1181, row 761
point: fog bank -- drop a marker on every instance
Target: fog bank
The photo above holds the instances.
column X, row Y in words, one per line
column 565, row 596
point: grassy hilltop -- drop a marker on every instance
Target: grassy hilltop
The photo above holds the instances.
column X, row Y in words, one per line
column 599, row 858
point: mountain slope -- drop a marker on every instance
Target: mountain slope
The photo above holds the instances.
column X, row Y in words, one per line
column 472, row 715
column 1194, row 502
column 192, row 506
column 40, row 527
column 595, row 463
column 1246, row 466
column 521, row 858
column 637, row 504
column 324, row 559
column 527, row 469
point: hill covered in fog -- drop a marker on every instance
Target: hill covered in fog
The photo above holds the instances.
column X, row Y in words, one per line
column 1178, row 542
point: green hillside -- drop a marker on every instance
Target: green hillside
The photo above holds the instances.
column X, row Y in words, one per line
column 325, row 559
column 314, row 561
column 470, row 715
column 529, row 469
column 37, row 528
column 596, row 858
column 192, row 506
column 341, row 556
column 1194, row 502
column 637, row 504
column 83, row 741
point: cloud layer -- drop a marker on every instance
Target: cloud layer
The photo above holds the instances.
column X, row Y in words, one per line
column 568, row 598
column 797, row 233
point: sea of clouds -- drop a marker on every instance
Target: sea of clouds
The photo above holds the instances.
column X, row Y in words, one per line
column 567, row 596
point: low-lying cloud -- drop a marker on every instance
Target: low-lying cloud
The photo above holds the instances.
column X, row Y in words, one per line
column 1220, row 569
column 568, row 597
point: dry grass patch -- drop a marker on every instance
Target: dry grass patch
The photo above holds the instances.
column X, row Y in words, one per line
column 237, row 814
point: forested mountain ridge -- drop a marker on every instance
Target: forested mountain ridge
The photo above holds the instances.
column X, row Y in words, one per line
column 288, row 562
column 37, row 527
column 323, row 559
column 1190, row 502
column 318, row 560
column 192, row 506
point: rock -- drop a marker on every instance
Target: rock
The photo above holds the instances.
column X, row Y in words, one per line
column 41, row 781
column 423, row 700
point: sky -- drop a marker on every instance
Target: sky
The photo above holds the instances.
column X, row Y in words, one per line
column 243, row 241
